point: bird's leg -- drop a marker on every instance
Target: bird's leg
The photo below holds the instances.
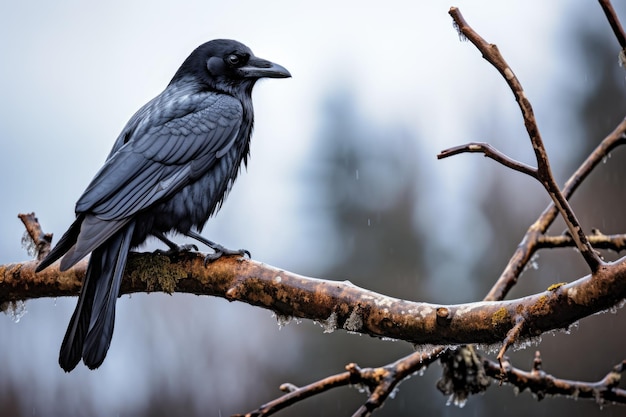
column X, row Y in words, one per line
column 219, row 249
column 174, row 248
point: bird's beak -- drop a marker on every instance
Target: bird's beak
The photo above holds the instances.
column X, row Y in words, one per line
column 260, row 68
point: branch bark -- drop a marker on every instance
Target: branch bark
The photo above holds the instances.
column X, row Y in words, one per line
column 337, row 304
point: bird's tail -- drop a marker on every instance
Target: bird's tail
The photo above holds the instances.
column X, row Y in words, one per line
column 91, row 326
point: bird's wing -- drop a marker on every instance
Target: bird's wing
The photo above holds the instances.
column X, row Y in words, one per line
column 173, row 142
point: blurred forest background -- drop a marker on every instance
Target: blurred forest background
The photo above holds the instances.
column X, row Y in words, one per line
column 373, row 206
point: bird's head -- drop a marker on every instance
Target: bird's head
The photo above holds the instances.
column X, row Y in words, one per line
column 226, row 65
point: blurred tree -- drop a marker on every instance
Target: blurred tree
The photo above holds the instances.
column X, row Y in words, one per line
column 367, row 180
column 601, row 200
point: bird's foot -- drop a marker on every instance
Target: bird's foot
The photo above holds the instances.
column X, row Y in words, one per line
column 177, row 250
column 222, row 251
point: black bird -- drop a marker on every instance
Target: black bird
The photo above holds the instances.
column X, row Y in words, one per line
column 169, row 170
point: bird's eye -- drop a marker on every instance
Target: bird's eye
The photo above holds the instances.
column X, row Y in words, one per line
column 234, row 60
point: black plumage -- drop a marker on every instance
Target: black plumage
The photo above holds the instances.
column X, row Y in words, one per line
column 168, row 171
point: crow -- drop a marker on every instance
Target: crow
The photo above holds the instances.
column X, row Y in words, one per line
column 169, row 171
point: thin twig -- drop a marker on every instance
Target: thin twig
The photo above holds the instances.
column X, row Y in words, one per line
column 615, row 243
column 512, row 336
column 394, row 374
column 541, row 384
column 41, row 240
column 618, row 30
column 489, row 152
column 380, row 382
column 297, row 394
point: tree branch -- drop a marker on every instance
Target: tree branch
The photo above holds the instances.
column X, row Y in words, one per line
column 616, row 243
column 489, row 152
column 530, row 243
column 544, row 173
column 378, row 382
column 541, row 384
column 335, row 304
column 614, row 22
column 41, row 241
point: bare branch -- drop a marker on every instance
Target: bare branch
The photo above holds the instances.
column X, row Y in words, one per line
column 378, row 382
column 489, row 152
column 296, row 394
column 512, row 337
column 41, row 240
column 391, row 376
column 614, row 22
column 541, row 384
column 529, row 243
column 599, row 240
column 544, row 174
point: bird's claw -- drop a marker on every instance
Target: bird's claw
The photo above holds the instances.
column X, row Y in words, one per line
column 173, row 251
column 222, row 251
